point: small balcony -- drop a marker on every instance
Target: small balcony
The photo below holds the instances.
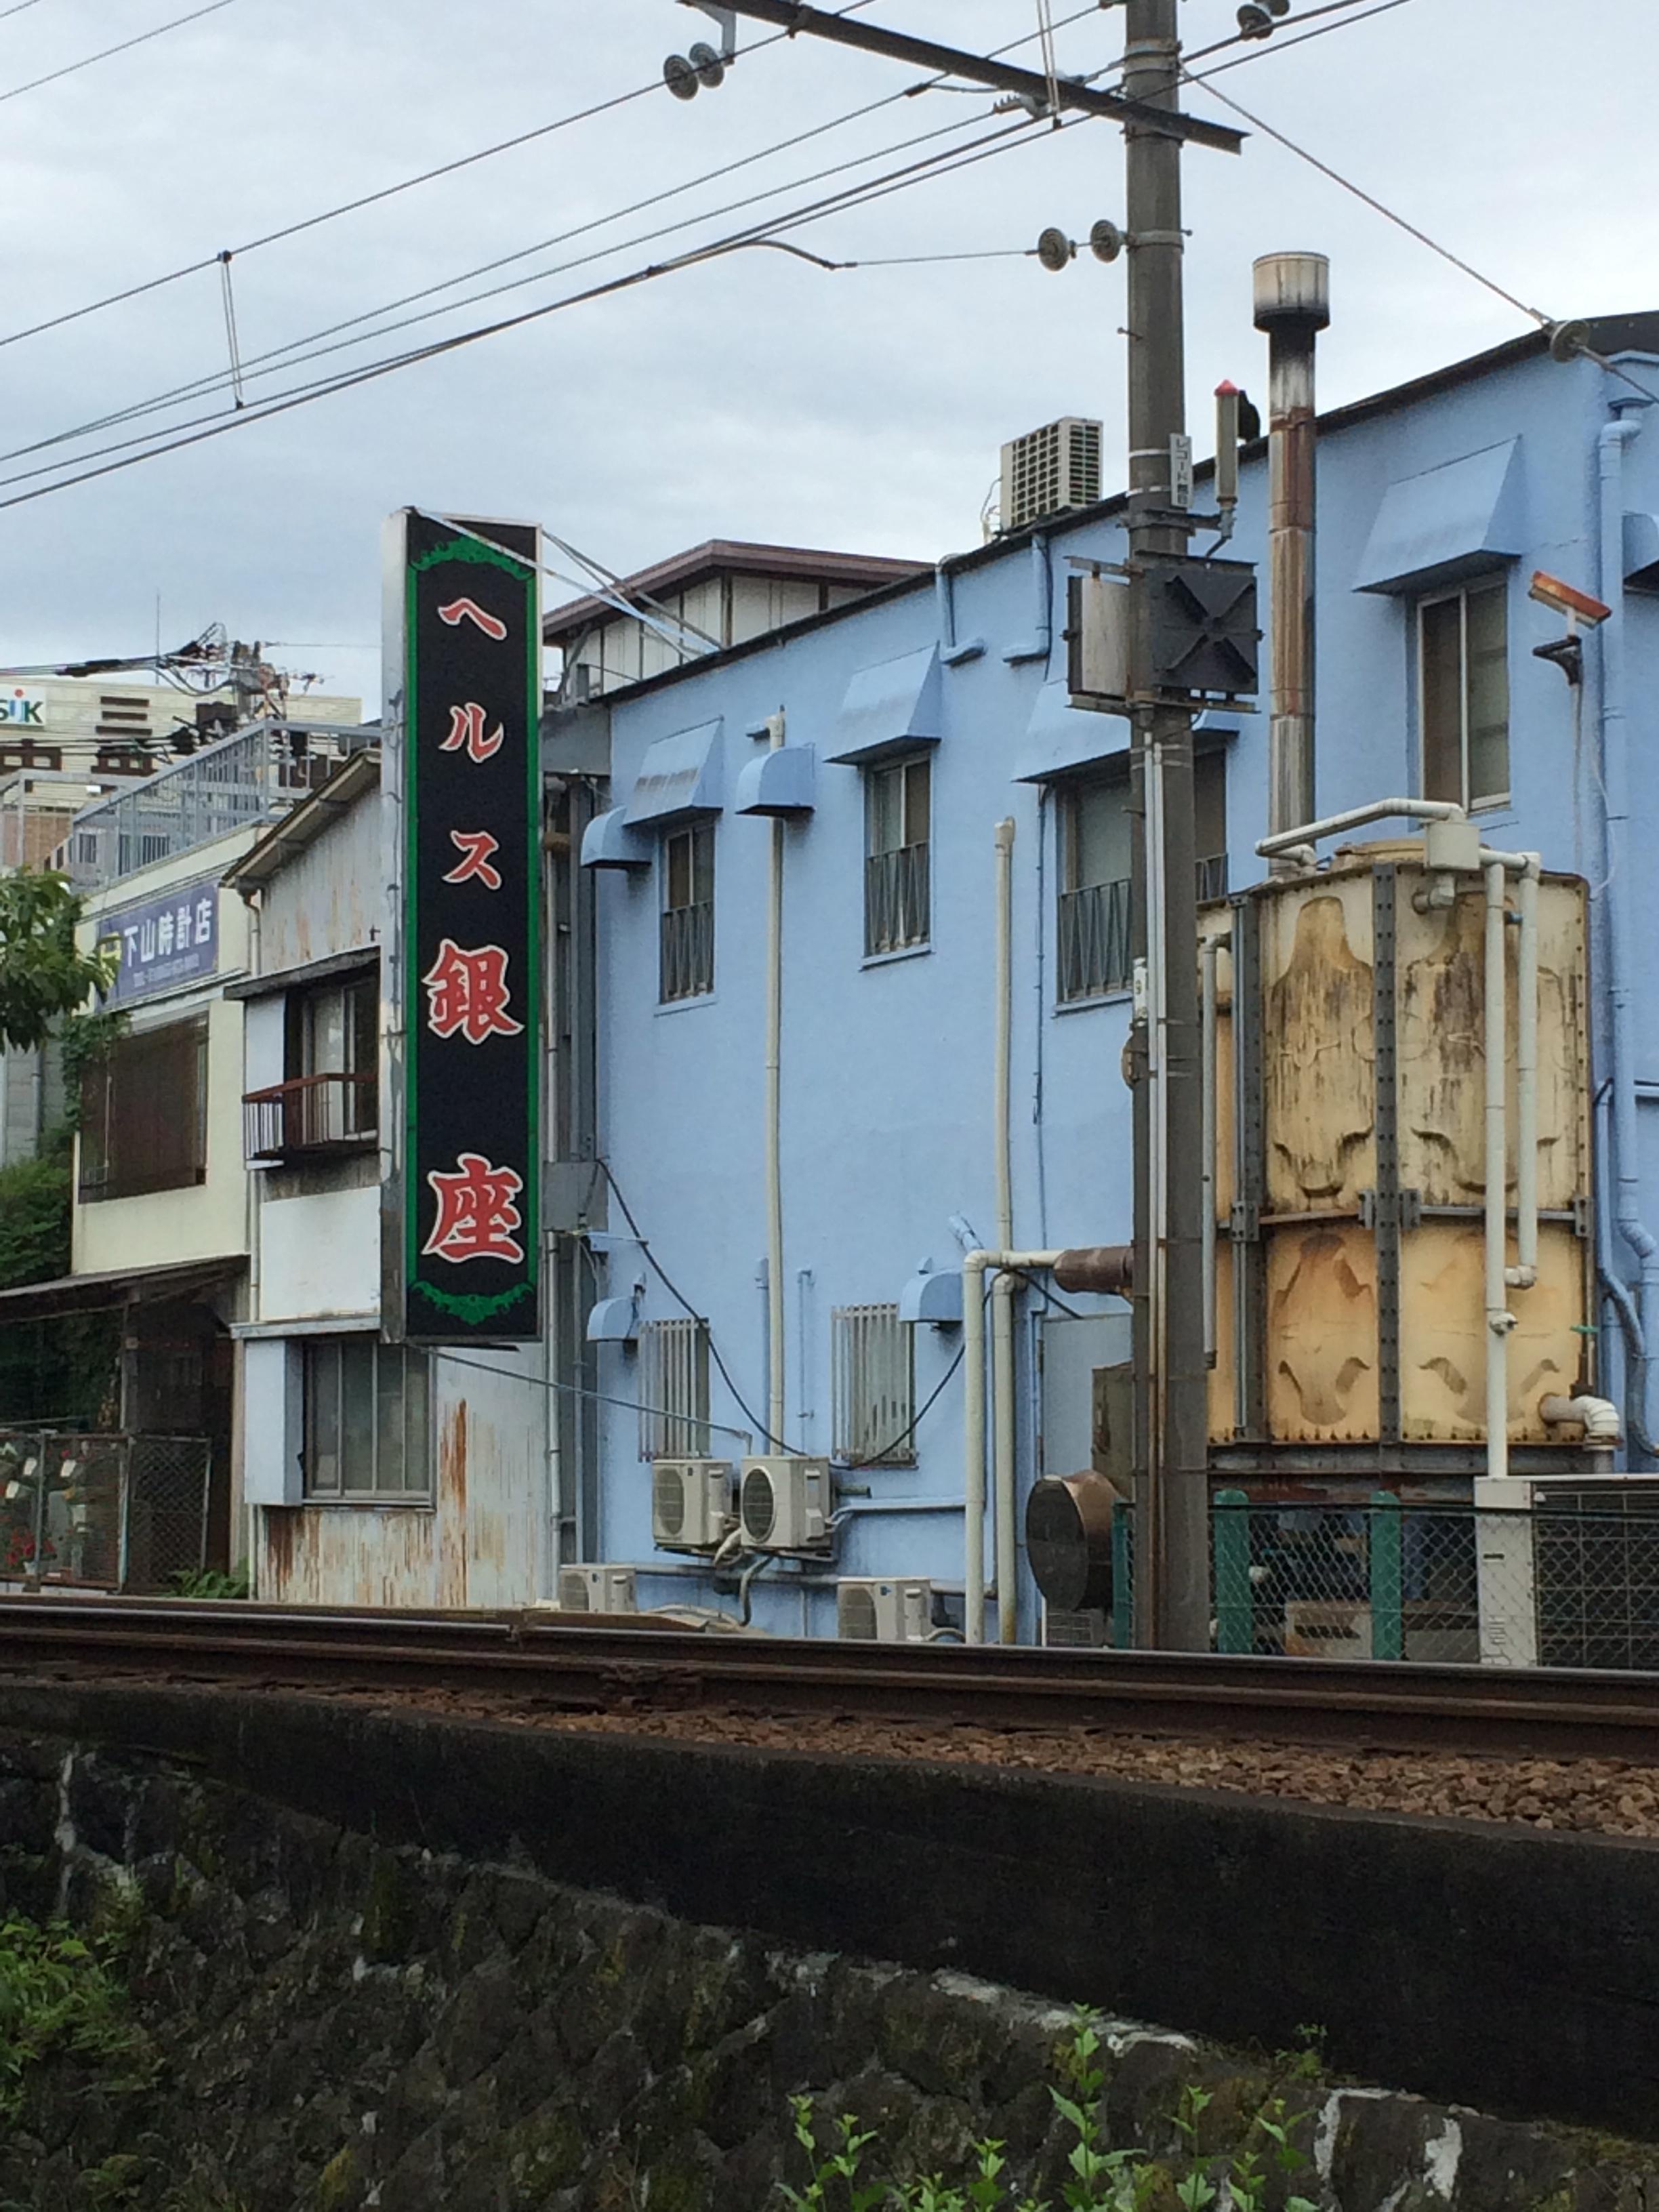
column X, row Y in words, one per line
column 310, row 1117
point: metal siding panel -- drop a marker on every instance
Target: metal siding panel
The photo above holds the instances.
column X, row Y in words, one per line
column 1316, row 954
column 1443, row 1333
column 1322, row 1324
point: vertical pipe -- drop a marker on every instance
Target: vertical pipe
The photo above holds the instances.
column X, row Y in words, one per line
column 776, row 1346
column 973, row 1432
column 1211, row 951
column 1525, row 1081
column 1004, row 1288
column 1292, row 304
column 1499, row 1320
column 1616, row 927
column 1005, row 1017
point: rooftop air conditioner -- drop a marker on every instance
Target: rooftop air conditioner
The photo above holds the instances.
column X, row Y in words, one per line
column 596, row 1589
column 785, row 1504
column 881, row 1612
column 690, row 1503
column 1565, row 1568
column 1050, row 470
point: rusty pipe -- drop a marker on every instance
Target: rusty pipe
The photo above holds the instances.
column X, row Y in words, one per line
column 1106, row 1269
column 1292, row 305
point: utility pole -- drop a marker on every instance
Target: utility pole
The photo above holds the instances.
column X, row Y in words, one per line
column 1172, row 1587
column 1172, row 1583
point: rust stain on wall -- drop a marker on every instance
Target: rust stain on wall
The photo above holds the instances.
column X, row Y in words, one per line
column 1321, row 1104
column 1322, row 1307
column 453, row 1536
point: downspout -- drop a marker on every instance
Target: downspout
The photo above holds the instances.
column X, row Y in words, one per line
column 256, row 1199
column 1209, row 954
column 775, row 1347
column 1003, row 1288
column 975, row 1267
column 1616, row 436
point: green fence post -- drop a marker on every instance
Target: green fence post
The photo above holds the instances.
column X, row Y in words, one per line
column 1123, row 1600
column 1235, row 1600
column 1383, row 1524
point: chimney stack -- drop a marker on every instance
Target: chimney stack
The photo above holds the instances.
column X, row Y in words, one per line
column 1292, row 305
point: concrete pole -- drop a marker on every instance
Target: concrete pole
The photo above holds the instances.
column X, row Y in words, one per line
column 1292, row 305
column 1172, row 1583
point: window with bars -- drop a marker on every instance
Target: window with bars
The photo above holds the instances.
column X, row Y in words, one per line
column 674, row 1390
column 1092, row 916
column 143, row 1113
column 875, row 1386
column 686, row 964
column 898, row 825
column 1463, row 694
column 368, row 1419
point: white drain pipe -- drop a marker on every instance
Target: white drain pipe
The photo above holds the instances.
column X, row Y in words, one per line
column 973, row 1269
column 1004, row 1490
column 1499, row 1320
column 776, row 1346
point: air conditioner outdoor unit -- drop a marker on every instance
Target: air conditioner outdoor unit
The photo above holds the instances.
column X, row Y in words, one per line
column 1050, row 470
column 1565, row 1567
column 596, row 1589
column 875, row 1611
column 690, row 1503
column 785, row 1504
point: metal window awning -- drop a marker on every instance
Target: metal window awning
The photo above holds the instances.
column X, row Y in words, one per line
column 779, row 782
column 1642, row 551
column 332, row 967
column 608, row 842
column 889, row 708
column 117, row 1287
column 1062, row 740
column 679, row 780
column 1447, row 522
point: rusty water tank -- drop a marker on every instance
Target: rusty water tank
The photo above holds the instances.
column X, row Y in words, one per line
column 1350, row 1168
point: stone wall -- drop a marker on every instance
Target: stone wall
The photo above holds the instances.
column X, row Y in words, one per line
column 339, row 2023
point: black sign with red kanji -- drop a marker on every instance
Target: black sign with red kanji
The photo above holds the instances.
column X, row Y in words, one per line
column 471, row 941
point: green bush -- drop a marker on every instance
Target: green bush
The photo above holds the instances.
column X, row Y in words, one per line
column 1261, row 2169
column 61, row 1994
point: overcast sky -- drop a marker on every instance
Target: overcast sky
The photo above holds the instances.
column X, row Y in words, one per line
column 757, row 398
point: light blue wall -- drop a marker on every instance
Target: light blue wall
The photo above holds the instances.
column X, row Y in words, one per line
column 887, row 1068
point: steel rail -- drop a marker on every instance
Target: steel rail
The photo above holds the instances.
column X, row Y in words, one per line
column 546, row 1662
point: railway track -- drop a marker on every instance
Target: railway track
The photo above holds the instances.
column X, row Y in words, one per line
column 552, row 1664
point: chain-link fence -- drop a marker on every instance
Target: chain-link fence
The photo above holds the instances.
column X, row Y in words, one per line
column 1567, row 1576
column 120, row 1513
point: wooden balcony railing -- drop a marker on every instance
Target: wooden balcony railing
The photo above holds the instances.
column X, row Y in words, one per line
column 312, row 1114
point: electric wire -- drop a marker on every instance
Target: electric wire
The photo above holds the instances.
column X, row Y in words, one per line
column 1379, row 207
column 17, row 8
column 364, row 199
column 927, row 1405
column 292, row 352
column 180, row 436
column 691, row 1312
column 296, row 351
column 157, row 31
column 1278, row 44
column 580, row 1390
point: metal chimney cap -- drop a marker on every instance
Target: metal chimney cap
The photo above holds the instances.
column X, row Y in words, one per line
column 1293, row 287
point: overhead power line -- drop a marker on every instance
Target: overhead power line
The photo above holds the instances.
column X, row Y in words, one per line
column 281, row 404
column 295, row 352
column 17, row 8
column 345, row 207
column 1279, row 43
column 158, row 31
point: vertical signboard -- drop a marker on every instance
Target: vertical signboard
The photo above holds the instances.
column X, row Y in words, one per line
column 472, row 867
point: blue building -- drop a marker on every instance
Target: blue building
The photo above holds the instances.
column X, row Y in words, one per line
column 915, row 721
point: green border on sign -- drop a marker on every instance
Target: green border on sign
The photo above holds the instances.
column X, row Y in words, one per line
column 469, row 1308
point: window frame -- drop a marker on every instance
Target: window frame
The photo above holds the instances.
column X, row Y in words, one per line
column 103, row 1175
column 865, row 1413
column 1071, row 792
column 1497, row 585
column 910, row 901
column 698, row 837
column 314, row 1350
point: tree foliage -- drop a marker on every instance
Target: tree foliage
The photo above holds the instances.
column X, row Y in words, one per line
column 34, row 1221
column 43, row 974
